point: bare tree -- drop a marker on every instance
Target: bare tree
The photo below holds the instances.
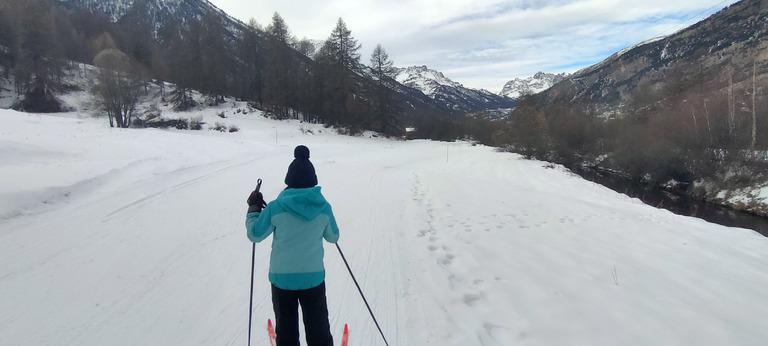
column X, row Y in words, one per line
column 117, row 89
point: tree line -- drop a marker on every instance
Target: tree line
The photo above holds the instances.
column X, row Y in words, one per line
column 267, row 66
column 700, row 125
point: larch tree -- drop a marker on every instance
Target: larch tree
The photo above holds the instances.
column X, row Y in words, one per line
column 279, row 69
column 381, row 64
column 383, row 116
column 341, row 48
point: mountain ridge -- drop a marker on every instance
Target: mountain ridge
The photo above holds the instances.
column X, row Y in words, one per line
column 159, row 10
column 730, row 39
column 531, row 85
column 452, row 94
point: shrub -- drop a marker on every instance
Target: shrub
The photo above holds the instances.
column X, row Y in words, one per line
column 219, row 127
column 196, row 123
column 160, row 123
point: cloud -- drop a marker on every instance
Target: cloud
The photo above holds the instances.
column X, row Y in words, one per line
column 485, row 43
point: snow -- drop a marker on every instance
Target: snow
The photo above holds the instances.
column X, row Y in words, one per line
column 136, row 236
column 531, row 85
column 424, row 79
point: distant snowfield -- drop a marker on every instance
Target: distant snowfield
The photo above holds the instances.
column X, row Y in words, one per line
column 136, row 237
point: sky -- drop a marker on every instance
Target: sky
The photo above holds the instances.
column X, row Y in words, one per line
column 485, row 43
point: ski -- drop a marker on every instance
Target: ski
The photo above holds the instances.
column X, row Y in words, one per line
column 272, row 335
column 345, row 336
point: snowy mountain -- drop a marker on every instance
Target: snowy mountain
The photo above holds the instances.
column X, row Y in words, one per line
column 728, row 43
column 532, row 85
column 159, row 10
column 452, row 94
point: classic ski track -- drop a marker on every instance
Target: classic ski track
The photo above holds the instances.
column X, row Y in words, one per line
column 207, row 174
column 153, row 278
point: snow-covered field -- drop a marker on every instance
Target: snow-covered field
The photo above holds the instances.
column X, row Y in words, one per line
column 136, row 237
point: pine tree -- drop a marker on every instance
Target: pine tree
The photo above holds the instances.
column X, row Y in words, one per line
column 216, row 58
column 183, row 56
column 280, row 70
column 137, row 34
column 7, row 43
column 381, row 65
column 251, row 63
column 38, row 63
column 383, row 114
column 278, row 30
column 337, row 58
column 341, row 48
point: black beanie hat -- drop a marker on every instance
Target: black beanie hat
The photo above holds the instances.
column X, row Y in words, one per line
column 301, row 172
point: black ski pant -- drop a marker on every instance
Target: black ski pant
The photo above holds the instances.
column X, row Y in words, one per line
column 314, row 308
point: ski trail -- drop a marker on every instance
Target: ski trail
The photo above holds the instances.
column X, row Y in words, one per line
column 471, row 248
column 167, row 260
column 372, row 238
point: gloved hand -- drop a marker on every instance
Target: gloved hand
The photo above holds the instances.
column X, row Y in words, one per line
column 256, row 202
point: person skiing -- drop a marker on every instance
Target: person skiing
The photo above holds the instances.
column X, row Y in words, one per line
column 299, row 219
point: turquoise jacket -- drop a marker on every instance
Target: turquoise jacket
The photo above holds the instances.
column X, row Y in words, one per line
column 299, row 219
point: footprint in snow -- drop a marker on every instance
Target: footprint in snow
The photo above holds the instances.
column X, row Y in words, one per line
column 471, row 299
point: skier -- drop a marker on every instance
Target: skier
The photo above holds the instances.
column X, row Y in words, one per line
column 299, row 219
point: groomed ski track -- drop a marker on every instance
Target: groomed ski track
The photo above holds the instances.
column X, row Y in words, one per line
column 137, row 237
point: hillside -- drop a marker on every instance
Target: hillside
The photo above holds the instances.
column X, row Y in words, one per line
column 195, row 46
column 683, row 113
column 445, row 99
column 695, row 57
column 158, row 12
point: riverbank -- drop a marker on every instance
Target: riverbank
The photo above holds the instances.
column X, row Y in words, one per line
column 734, row 209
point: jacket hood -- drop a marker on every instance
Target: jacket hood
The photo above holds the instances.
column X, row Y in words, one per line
column 306, row 203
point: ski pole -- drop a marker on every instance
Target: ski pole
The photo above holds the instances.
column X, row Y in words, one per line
column 250, row 309
column 361, row 294
column 253, row 261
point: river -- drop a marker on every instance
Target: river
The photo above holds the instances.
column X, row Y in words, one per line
column 677, row 203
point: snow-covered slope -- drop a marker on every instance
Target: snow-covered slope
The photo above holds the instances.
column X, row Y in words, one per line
column 136, row 237
column 160, row 10
column 424, row 79
column 531, row 85
column 452, row 94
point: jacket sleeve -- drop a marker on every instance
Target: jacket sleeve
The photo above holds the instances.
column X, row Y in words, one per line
column 331, row 232
column 258, row 226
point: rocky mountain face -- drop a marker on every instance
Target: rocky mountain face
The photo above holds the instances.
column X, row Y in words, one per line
column 159, row 10
column 532, row 85
column 451, row 94
column 725, row 49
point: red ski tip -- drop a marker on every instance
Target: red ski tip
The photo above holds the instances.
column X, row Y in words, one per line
column 345, row 337
column 272, row 335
